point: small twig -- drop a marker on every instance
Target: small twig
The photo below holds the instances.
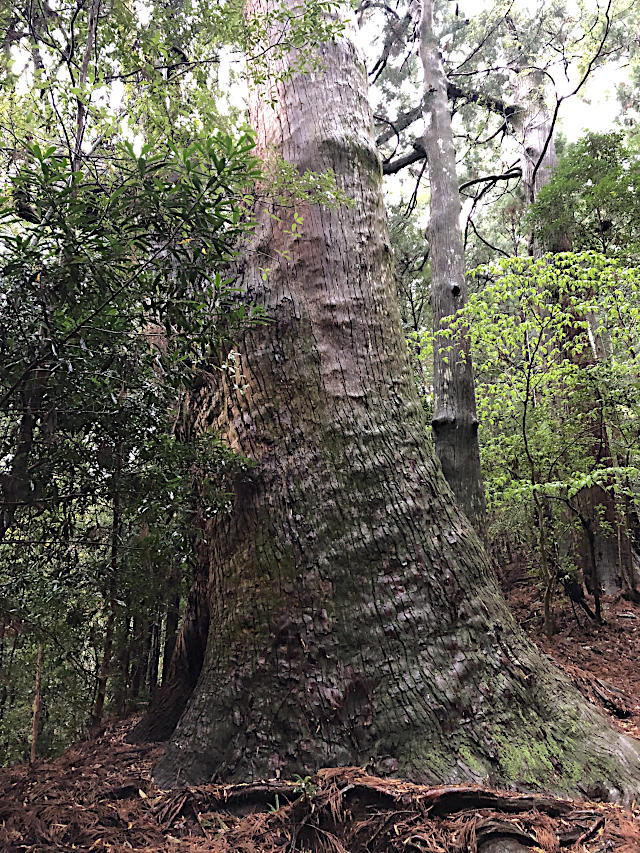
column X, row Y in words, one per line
column 589, row 833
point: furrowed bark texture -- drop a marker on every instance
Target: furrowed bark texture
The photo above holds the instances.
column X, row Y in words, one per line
column 533, row 123
column 354, row 618
column 455, row 422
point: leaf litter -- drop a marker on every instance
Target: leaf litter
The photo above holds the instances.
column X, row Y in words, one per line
column 100, row 796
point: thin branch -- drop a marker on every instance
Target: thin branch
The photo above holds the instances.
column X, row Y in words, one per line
column 393, row 167
column 507, row 176
column 486, row 242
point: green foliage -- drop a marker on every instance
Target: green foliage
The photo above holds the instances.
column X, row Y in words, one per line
column 555, row 346
column 593, row 198
column 114, row 281
column 114, row 293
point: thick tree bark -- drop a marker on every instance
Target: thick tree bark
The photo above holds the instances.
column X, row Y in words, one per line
column 455, row 422
column 354, row 616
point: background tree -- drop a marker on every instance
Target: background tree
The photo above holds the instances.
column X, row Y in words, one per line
column 530, row 63
column 455, row 422
column 594, row 197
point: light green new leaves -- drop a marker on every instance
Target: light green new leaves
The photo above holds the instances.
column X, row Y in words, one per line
column 556, row 349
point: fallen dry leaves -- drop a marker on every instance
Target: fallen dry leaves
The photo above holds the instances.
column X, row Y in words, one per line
column 99, row 795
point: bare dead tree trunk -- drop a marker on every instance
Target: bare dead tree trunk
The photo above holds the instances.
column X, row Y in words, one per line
column 354, row 618
column 455, row 421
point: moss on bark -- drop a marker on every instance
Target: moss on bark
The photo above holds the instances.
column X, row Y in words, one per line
column 354, row 615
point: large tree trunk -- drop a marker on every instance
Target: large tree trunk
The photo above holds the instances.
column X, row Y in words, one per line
column 455, row 422
column 354, row 616
column 533, row 122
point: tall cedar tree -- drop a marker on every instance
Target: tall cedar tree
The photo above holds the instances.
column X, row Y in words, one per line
column 354, row 618
column 455, row 422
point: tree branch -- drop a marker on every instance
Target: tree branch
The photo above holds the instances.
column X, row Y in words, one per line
column 507, row 176
column 394, row 166
column 404, row 120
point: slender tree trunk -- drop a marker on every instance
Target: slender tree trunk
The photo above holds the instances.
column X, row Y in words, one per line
column 6, row 678
column 354, row 616
column 37, row 706
column 153, row 658
column 594, row 570
column 105, row 666
column 186, row 662
column 534, row 127
column 172, row 620
column 121, row 670
column 455, row 422
column 138, row 654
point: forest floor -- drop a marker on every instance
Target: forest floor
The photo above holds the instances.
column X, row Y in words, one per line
column 602, row 660
column 99, row 795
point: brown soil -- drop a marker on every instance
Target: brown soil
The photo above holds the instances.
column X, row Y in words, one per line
column 601, row 659
column 99, row 795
